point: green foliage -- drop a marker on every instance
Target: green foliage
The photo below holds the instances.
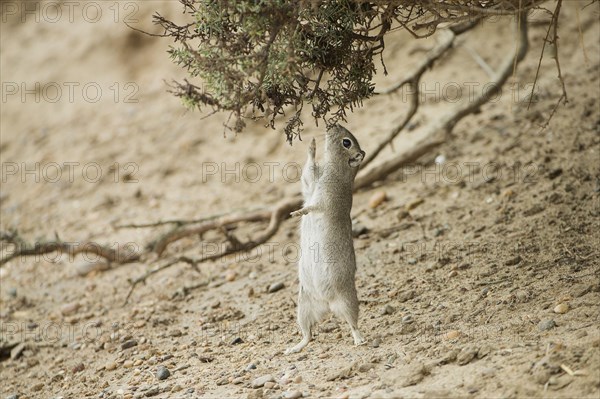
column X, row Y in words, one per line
column 266, row 58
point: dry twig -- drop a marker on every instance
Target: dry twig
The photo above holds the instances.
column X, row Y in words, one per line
column 22, row 248
column 552, row 27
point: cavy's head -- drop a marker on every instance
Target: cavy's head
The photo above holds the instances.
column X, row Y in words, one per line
column 342, row 145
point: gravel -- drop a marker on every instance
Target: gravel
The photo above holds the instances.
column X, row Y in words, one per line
column 388, row 310
column 162, row 373
column 129, row 344
column 261, row 381
column 546, row 325
column 275, row 287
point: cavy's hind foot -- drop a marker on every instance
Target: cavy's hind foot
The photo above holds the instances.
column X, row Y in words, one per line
column 298, row 347
column 358, row 338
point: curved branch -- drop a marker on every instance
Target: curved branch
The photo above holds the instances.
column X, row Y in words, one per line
column 279, row 213
column 73, row 249
column 413, row 80
column 275, row 217
column 447, row 123
column 505, row 70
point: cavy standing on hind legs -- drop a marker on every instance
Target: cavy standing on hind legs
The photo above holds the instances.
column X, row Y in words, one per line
column 327, row 264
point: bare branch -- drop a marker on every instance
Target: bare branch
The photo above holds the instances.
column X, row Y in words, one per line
column 180, row 222
column 274, row 216
column 431, row 138
column 554, row 42
column 71, row 248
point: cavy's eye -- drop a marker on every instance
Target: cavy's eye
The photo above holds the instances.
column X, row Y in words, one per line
column 347, row 143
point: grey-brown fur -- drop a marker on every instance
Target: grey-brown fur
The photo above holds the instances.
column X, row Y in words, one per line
column 327, row 263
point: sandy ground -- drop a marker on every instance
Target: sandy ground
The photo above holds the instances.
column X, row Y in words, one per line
column 478, row 277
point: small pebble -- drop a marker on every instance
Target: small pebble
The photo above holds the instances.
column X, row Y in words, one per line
column 376, row 342
column 534, row 210
column 237, row 381
column 275, row 287
column 513, row 261
column 162, row 373
column 78, row 368
column 292, row 394
column 440, row 159
column 453, row 273
column 230, row 275
column 581, row 334
column 508, row 193
column 38, row 387
column 128, row 364
column 452, row 334
column 377, row 198
column 467, row 354
column 128, row 344
column 358, row 229
column 561, row 308
column 261, row 381
column 12, row 292
column 176, row 388
column 69, row 308
column 237, row 341
column 86, row 267
column 152, row 391
column 402, row 214
column 110, row 366
column 553, row 174
column 222, row 381
column 388, row 310
column 407, row 319
column 14, row 396
column 269, row 385
column 545, row 325
column 363, row 368
column 251, row 366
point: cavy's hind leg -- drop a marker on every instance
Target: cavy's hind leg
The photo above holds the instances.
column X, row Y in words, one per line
column 307, row 317
column 346, row 308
